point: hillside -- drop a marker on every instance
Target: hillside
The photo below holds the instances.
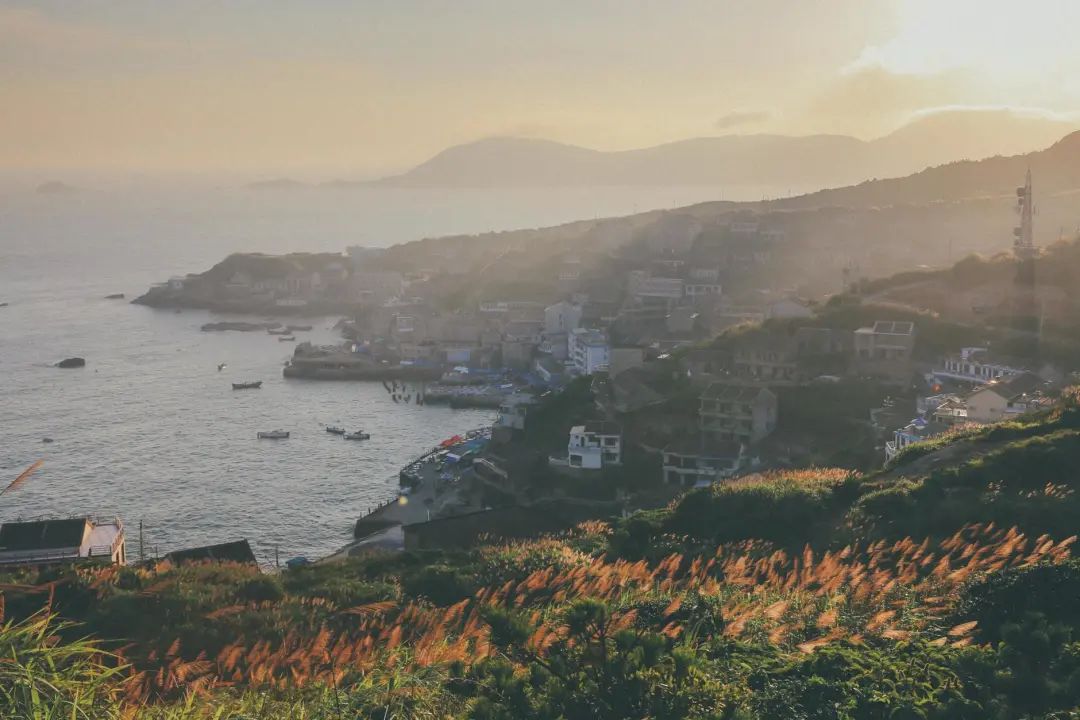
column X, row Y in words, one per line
column 770, row 161
column 941, row 587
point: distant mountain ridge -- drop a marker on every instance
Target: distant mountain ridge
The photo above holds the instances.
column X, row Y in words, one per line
column 778, row 161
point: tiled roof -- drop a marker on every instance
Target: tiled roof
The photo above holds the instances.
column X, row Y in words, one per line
column 894, row 327
column 42, row 534
column 238, row 551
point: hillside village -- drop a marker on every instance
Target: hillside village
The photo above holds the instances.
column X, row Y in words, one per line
column 630, row 370
column 685, row 463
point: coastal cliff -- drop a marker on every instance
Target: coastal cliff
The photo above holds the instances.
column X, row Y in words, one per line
column 294, row 284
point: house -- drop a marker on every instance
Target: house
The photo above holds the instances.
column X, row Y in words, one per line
column 731, row 411
column 691, row 462
column 915, row 431
column 562, row 317
column 594, row 446
column 786, row 308
column 588, row 351
column 884, row 350
column 513, row 410
column 73, row 540
column 1005, row 398
column 238, row 551
column 654, row 290
column 766, row 358
column 973, row 365
column 821, row 341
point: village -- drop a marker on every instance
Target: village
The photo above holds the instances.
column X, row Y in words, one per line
column 622, row 379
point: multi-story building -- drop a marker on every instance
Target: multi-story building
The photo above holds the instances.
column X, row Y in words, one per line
column 594, row 446
column 53, row 542
column 884, row 350
column 691, row 462
column 767, row 358
column 743, row 413
column 588, row 351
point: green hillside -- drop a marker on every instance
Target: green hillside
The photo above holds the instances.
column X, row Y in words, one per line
column 939, row 587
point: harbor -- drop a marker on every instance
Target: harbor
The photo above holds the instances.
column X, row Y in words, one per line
column 432, row 486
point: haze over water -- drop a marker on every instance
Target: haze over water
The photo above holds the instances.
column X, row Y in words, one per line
column 150, row 429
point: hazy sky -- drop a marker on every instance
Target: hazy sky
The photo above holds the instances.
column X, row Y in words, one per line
column 354, row 88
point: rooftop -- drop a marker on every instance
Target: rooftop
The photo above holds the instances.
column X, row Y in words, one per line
column 43, row 534
column 731, row 391
column 1015, row 385
column 597, row 427
column 891, row 327
column 238, row 551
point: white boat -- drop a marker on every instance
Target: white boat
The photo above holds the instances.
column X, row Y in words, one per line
column 273, row 435
column 357, row 436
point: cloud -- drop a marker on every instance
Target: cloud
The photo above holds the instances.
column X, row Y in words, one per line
column 737, row 118
column 870, row 100
column 32, row 31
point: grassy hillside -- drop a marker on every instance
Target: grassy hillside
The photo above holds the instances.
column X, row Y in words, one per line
column 940, row 587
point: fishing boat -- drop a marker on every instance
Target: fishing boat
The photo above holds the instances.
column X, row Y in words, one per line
column 287, row 338
column 247, row 385
column 357, row 435
column 273, row 435
column 335, row 430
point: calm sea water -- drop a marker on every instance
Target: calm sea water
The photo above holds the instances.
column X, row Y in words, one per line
column 150, row 430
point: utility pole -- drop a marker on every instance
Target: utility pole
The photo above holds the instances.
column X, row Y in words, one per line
column 277, row 562
column 142, row 549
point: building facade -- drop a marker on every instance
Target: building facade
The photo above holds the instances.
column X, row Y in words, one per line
column 53, row 542
column 742, row 413
column 594, row 446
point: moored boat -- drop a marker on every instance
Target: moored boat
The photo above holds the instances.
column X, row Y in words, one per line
column 273, row 435
column 334, row 429
column 360, row 435
column 287, row 338
column 247, row 385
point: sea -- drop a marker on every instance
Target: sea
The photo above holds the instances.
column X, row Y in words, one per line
column 150, row 430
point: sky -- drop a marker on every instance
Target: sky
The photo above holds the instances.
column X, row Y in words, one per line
column 361, row 88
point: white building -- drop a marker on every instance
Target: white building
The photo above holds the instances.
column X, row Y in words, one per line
column 973, row 365
column 588, row 351
column 915, row 431
column 647, row 288
column 50, row 542
column 594, row 446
